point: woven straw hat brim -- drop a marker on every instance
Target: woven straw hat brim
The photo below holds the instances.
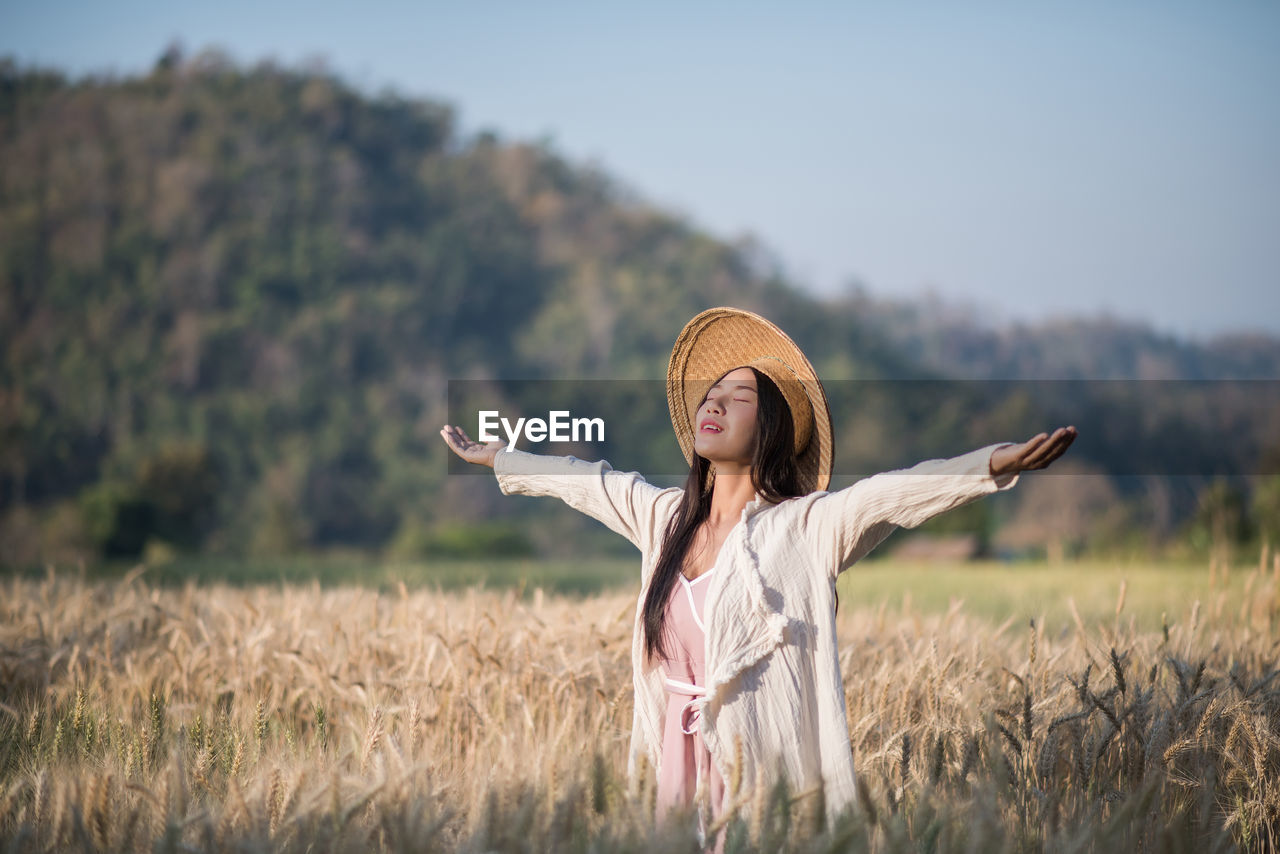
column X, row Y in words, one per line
column 721, row 339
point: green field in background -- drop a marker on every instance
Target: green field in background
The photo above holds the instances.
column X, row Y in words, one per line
column 1153, row 591
column 572, row 577
column 998, row 591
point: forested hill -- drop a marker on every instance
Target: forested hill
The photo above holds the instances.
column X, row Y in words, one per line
column 231, row 300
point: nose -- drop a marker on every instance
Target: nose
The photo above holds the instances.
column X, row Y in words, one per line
column 713, row 404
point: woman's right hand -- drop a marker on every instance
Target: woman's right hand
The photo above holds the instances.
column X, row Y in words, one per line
column 473, row 452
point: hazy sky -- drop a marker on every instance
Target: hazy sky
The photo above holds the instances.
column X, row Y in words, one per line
column 1031, row 158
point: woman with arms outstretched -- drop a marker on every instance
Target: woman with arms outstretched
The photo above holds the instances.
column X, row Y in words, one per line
column 734, row 641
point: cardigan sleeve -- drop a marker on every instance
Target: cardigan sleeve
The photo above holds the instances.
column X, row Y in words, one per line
column 623, row 501
column 845, row 525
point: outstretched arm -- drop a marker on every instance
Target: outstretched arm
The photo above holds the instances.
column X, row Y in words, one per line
column 848, row 524
column 624, row 501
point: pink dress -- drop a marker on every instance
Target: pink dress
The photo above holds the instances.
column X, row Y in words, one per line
column 684, row 757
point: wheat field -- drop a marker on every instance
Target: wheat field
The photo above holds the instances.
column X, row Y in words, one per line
column 295, row 718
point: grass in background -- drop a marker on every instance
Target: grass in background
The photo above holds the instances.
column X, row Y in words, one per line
column 1144, row 593
column 570, row 577
column 1148, row 592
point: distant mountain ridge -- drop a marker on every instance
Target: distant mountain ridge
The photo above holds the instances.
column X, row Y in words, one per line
column 951, row 339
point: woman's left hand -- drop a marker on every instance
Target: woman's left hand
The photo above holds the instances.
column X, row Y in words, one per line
column 1035, row 453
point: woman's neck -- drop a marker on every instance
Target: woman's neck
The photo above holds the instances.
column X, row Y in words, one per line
column 730, row 493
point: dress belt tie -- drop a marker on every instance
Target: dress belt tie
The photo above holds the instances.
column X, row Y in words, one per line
column 690, row 715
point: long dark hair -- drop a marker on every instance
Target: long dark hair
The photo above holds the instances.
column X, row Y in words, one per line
column 774, row 475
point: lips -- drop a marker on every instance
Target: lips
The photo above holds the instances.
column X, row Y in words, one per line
column 710, row 426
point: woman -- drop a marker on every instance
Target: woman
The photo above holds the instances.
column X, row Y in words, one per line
column 734, row 647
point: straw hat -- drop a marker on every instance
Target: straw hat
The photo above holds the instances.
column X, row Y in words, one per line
column 721, row 339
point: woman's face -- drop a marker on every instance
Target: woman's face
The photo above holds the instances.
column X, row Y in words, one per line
column 725, row 426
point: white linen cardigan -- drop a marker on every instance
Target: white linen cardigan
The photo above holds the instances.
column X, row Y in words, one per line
column 773, row 667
